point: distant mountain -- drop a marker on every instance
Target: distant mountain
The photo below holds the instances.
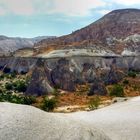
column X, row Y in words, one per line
column 11, row 44
column 39, row 38
column 118, row 31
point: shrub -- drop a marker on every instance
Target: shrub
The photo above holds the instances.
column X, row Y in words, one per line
column 94, row 103
column 117, row 91
column 13, row 74
column 28, row 100
column 126, row 82
column 18, row 99
column 8, row 86
column 132, row 74
column 49, row 104
column 1, row 77
column 20, row 86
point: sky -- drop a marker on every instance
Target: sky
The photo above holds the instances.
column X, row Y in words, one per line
column 31, row 18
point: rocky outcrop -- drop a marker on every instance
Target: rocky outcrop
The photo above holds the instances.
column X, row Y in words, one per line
column 18, row 64
column 62, row 76
column 113, row 75
column 66, row 73
column 97, row 88
column 39, row 84
column 20, row 122
column 119, row 121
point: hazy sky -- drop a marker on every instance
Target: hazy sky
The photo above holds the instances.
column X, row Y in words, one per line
column 30, row 18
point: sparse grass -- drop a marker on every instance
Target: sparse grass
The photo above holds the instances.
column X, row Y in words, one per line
column 94, row 103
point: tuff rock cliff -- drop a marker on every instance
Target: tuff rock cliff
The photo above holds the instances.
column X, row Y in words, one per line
column 67, row 73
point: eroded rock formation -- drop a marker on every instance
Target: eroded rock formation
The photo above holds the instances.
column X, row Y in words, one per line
column 66, row 73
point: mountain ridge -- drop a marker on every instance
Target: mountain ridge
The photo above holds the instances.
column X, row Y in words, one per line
column 111, row 31
column 11, row 44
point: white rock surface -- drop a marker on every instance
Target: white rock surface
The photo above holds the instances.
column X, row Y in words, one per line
column 120, row 121
column 78, row 52
column 127, row 52
column 18, row 122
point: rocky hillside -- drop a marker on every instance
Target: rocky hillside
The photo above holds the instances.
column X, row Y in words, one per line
column 11, row 44
column 118, row 31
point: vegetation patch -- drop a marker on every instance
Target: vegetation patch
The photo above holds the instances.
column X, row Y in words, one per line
column 94, row 103
column 18, row 99
column 117, row 91
column 49, row 104
column 132, row 74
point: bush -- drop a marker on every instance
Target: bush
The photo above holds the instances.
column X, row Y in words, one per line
column 126, row 82
column 1, row 77
column 94, row 103
column 13, row 75
column 132, row 74
column 117, row 91
column 18, row 99
column 49, row 104
column 28, row 100
column 20, row 86
column 8, row 86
